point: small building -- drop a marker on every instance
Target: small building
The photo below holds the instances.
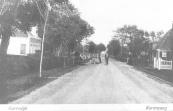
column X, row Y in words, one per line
column 161, row 52
column 23, row 44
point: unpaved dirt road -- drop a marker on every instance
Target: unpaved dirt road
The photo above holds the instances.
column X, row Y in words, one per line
column 100, row 83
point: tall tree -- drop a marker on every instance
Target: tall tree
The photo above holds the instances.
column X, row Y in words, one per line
column 101, row 47
column 159, row 35
column 92, row 47
column 126, row 34
column 139, row 46
column 22, row 15
column 114, row 47
column 153, row 35
column 69, row 30
column 136, row 39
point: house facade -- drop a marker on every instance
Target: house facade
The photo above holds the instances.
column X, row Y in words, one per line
column 161, row 52
column 23, row 44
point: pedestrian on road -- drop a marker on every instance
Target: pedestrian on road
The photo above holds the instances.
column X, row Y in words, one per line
column 99, row 56
column 93, row 59
column 106, row 57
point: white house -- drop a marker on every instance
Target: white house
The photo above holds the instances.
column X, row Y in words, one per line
column 23, row 44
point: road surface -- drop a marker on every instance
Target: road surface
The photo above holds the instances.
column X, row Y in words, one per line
column 115, row 83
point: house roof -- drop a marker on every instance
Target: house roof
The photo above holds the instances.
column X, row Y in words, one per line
column 19, row 33
column 165, row 42
column 29, row 33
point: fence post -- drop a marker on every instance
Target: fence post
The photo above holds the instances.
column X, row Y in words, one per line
column 159, row 60
column 160, row 63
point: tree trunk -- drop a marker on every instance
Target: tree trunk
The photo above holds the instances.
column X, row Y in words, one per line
column 3, row 65
column 4, row 45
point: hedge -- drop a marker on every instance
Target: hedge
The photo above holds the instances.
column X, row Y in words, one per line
column 136, row 61
column 21, row 65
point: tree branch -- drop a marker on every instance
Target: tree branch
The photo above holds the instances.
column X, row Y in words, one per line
column 3, row 11
column 2, row 7
column 39, row 10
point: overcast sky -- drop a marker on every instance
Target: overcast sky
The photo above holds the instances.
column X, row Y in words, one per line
column 107, row 15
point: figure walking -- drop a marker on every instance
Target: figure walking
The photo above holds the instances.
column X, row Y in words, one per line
column 106, row 57
column 99, row 56
column 93, row 59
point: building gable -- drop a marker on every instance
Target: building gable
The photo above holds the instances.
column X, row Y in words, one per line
column 165, row 42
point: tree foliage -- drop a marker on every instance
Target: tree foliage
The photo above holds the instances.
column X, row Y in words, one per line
column 92, row 47
column 136, row 40
column 64, row 22
column 68, row 29
column 22, row 15
column 114, row 47
column 101, row 47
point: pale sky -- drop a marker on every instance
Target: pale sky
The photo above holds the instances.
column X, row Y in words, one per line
column 107, row 15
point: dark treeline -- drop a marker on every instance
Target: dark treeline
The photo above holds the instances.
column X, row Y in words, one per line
column 129, row 40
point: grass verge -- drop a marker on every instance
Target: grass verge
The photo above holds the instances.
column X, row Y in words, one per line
column 23, row 85
column 166, row 75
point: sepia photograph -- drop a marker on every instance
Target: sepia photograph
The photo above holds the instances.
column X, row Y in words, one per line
column 86, row 52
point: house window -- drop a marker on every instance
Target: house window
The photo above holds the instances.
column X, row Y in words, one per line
column 23, row 49
column 163, row 54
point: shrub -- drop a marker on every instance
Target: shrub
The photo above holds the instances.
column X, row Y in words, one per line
column 139, row 62
column 122, row 59
column 22, row 65
column 17, row 65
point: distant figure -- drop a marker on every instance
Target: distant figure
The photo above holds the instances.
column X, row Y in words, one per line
column 99, row 56
column 93, row 59
column 106, row 57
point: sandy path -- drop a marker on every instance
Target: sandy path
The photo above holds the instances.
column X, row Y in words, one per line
column 99, row 83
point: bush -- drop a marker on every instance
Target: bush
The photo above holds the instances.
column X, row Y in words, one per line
column 122, row 59
column 139, row 62
column 135, row 61
column 47, row 62
column 21, row 65
column 17, row 65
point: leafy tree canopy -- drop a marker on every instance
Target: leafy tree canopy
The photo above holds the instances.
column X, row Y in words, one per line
column 101, row 47
column 92, row 47
column 114, row 47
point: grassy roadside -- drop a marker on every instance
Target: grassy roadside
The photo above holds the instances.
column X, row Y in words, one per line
column 20, row 86
column 165, row 75
column 145, row 66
